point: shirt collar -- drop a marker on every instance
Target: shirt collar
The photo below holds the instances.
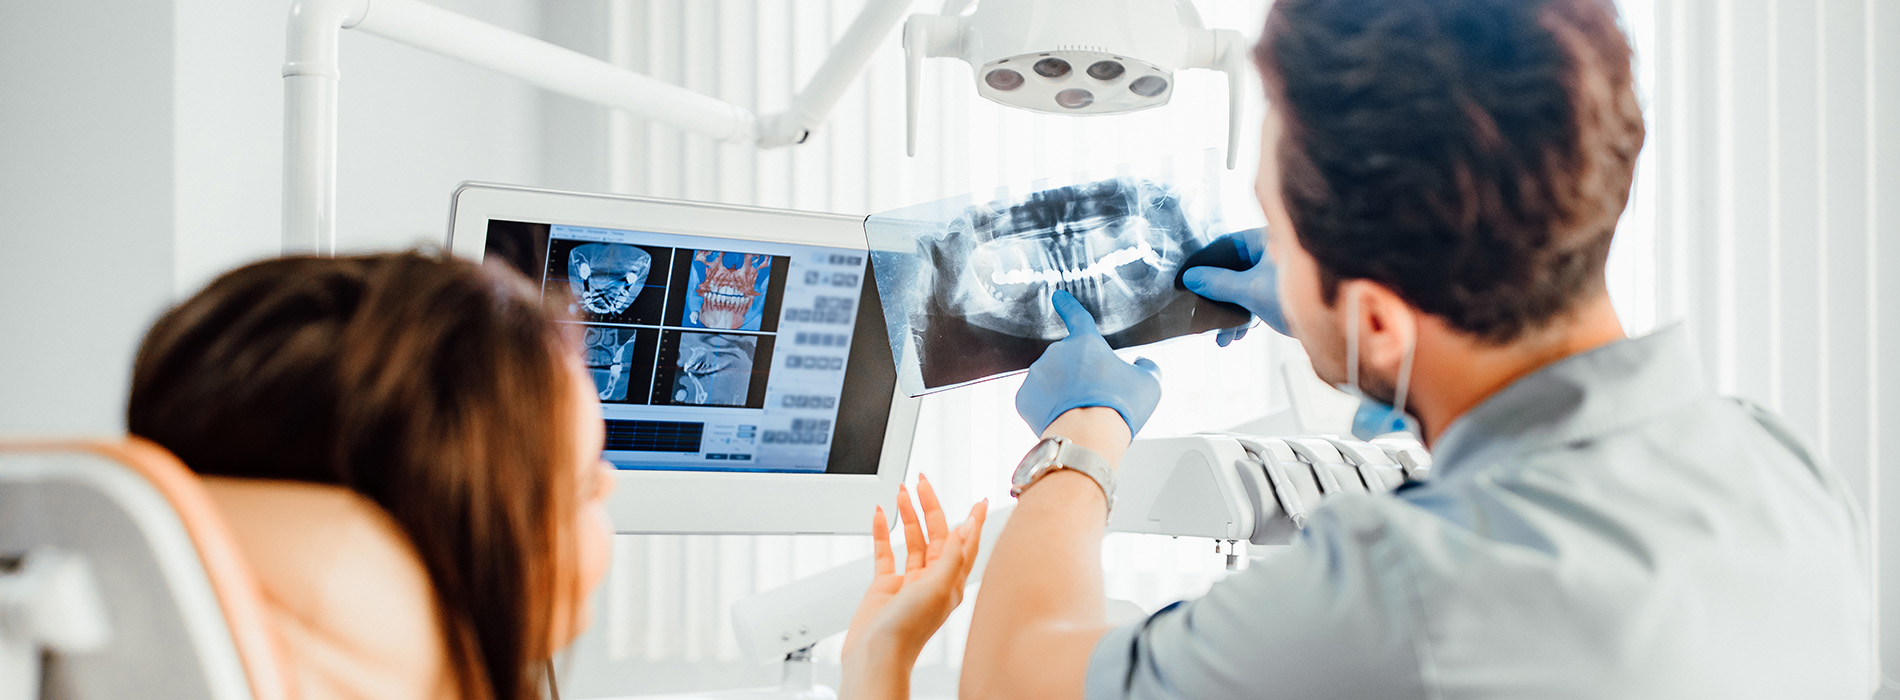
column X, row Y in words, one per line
column 1576, row 398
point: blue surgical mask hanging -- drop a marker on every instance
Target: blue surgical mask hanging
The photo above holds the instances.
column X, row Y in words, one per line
column 1373, row 417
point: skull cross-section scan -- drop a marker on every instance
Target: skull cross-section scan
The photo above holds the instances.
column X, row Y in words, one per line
column 714, row 369
column 606, row 277
column 1114, row 244
column 609, row 354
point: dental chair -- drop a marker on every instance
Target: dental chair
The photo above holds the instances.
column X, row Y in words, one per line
column 119, row 579
column 125, row 575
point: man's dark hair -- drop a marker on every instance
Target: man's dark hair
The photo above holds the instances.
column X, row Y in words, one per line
column 1472, row 155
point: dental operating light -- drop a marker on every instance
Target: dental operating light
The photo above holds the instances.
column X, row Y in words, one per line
column 1075, row 57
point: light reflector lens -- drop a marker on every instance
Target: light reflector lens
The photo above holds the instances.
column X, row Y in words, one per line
column 1107, row 70
column 1004, row 79
column 1149, row 85
column 1052, row 68
column 1075, row 98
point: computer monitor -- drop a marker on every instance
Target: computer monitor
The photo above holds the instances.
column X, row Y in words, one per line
column 740, row 353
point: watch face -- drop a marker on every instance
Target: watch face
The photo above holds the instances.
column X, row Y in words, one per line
column 1043, row 453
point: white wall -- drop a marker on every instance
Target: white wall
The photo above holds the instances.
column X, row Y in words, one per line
column 85, row 205
column 411, row 126
column 1777, row 142
column 140, row 155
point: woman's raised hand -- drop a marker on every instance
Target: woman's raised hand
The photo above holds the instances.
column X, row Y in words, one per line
column 902, row 609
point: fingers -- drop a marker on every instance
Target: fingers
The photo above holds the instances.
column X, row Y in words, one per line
column 1252, row 244
column 1146, row 365
column 974, row 542
column 953, row 558
column 948, row 575
column 1227, row 336
column 913, row 533
column 933, row 518
column 885, row 561
column 1073, row 314
column 1218, row 283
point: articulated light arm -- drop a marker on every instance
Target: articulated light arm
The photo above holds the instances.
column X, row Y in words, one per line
column 813, row 104
column 311, row 75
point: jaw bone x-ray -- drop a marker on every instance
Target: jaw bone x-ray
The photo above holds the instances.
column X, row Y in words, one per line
column 967, row 289
column 1115, row 245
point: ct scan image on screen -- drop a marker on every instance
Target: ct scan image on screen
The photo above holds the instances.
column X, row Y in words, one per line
column 619, row 358
column 727, row 290
column 607, row 282
column 708, row 354
column 714, row 369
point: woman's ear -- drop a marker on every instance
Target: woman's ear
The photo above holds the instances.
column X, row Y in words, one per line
column 1388, row 326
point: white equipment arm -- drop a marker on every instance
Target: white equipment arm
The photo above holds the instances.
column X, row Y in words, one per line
column 1235, row 488
column 311, row 76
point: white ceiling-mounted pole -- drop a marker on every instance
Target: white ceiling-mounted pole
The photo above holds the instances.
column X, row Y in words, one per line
column 311, row 78
column 310, row 82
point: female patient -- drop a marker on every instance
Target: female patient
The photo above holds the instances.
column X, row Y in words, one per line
column 450, row 396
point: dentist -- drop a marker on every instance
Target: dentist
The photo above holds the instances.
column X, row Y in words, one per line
column 1441, row 181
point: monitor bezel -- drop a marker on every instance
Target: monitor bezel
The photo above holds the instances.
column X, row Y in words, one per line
column 678, row 502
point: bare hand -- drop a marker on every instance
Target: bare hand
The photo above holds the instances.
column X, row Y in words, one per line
column 901, row 610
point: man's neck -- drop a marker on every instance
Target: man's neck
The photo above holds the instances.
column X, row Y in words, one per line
column 1455, row 373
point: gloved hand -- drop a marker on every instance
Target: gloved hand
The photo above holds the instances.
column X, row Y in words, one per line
column 1081, row 371
column 1256, row 289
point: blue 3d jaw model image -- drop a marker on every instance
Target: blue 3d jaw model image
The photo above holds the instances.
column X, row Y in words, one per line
column 727, row 290
column 967, row 286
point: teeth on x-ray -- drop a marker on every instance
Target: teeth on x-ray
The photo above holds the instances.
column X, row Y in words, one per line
column 714, row 369
column 609, row 353
column 1108, row 267
column 1114, row 244
column 607, row 277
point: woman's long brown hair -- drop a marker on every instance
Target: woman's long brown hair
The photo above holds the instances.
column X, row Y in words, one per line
column 434, row 387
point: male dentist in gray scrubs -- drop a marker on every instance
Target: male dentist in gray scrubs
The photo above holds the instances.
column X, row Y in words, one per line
column 1441, row 180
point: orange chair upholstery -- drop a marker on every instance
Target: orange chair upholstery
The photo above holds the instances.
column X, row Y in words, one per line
column 186, row 615
column 282, row 589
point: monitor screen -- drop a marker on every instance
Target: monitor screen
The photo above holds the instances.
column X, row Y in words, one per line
column 717, row 354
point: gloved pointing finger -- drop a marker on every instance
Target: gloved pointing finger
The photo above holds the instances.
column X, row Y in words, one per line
column 1081, row 370
column 1074, row 315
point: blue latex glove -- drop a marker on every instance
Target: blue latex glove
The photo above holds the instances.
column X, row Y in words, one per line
column 1256, row 289
column 1081, row 371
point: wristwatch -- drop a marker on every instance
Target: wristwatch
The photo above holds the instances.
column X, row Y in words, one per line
column 1062, row 453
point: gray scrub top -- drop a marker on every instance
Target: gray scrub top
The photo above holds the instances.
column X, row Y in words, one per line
column 1607, row 527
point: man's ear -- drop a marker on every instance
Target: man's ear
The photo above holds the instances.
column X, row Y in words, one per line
column 1387, row 325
